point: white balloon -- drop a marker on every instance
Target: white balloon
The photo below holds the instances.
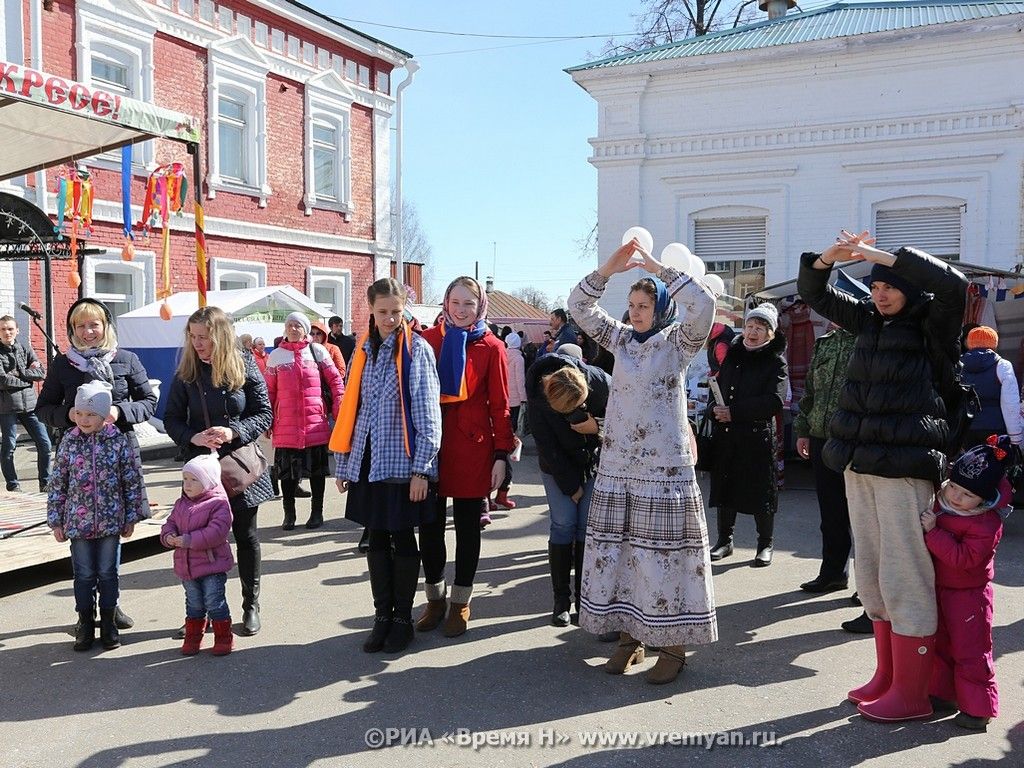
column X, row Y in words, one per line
column 677, row 256
column 642, row 236
column 698, row 267
column 715, row 284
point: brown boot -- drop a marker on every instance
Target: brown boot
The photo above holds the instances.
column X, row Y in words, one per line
column 436, row 604
column 458, row 612
column 629, row 652
column 671, row 660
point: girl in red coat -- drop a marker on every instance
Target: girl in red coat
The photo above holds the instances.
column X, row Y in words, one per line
column 961, row 534
column 476, row 438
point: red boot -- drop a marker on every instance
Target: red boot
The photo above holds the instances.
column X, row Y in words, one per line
column 502, row 499
column 194, row 629
column 223, row 640
column 882, row 679
column 907, row 697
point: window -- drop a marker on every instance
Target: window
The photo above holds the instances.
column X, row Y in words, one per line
column 308, row 53
column 323, row 58
column 237, row 119
column 262, row 32
column 332, row 289
column 350, row 70
column 364, row 75
column 120, row 285
column 293, row 46
column 384, row 82
column 243, row 25
column 735, row 248
column 233, row 274
column 185, row 7
column 225, row 19
column 206, row 11
column 277, row 41
column 232, row 139
column 328, row 110
column 338, row 63
column 934, row 230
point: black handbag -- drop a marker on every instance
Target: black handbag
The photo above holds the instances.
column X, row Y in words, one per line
column 705, row 461
column 962, row 405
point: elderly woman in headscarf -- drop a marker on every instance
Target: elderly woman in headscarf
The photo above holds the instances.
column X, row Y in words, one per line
column 646, row 571
column 476, row 438
column 752, row 382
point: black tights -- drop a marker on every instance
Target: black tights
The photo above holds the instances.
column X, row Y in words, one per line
column 247, row 546
column 398, row 542
column 466, row 513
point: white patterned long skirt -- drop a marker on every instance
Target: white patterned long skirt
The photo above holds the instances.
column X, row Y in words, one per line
column 646, row 567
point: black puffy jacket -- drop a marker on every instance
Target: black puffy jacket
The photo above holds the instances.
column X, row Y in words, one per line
column 891, row 419
column 568, row 456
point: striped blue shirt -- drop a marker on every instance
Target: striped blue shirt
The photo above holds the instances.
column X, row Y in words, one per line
column 379, row 419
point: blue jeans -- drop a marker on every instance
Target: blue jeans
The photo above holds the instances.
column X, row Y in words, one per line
column 205, row 596
column 8, row 440
column 568, row 518
column 95, row 565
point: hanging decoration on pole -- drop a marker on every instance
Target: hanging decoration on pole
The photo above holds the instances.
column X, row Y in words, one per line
column 128, row 249
column 74, row 213
column 166, row 189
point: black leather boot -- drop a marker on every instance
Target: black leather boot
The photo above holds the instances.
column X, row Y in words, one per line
column 378, row 561
column 364, row 541
column 122, row 619
column 288, row 502
column 85, row 631
column 109, row 635
column 405, row 574
column 560, row 562
column 726, row 526
column 316, row 513
column 765, row 522
column 249, row 575
column 577, row 573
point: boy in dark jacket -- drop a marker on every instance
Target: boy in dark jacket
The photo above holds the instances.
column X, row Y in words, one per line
column 20, row 369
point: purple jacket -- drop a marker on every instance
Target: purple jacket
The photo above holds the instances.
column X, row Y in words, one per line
column 204, row 523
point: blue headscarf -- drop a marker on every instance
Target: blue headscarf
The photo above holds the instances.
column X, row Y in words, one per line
column 665, row 311
column 451, row 364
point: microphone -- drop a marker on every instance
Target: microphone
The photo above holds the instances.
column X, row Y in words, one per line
column 31, row 312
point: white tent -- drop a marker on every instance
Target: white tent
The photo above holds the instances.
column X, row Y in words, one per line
column 256, row 311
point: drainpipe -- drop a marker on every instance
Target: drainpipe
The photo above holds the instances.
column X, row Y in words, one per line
column 411, row 67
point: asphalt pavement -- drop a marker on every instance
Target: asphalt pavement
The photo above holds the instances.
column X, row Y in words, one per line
column 512, row 691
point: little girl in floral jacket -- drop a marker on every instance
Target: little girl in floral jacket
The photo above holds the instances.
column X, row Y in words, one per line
column 197, row 530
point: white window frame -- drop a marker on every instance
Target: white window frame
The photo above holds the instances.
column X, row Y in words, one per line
column 253, row 272
column 329, row 99
column 108, row 30
column 342, row 282
column 142, row 269
column 237, row 68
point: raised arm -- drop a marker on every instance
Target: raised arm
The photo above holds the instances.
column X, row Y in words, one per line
column 696, row 311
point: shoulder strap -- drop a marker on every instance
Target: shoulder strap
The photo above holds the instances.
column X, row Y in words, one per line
column 202, row 398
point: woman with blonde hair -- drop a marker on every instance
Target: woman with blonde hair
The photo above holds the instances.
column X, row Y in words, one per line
column 217, row 403
column 93, row 355
column 646, row 566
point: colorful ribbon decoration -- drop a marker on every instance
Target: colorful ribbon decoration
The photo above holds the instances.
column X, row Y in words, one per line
column 166, row 191
column 74, row 211
column 128, row 249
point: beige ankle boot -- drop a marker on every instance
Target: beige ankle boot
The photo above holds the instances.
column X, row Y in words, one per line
column 458, row 612
column 671, row 659
column 436, row 604
column 629, row 652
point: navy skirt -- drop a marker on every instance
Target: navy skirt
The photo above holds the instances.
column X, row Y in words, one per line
column 382, row 506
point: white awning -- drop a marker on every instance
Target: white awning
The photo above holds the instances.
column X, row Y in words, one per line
column 46, row 120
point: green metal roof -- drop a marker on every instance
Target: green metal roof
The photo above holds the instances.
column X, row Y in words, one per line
column 833, row 21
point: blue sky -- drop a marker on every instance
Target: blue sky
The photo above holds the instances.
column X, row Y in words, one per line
column 496, row 141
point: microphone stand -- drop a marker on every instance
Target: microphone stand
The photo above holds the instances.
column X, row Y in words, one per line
column 52, row 347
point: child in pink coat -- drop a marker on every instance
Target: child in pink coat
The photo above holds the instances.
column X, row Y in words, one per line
column 961, row 533
column 197, row 530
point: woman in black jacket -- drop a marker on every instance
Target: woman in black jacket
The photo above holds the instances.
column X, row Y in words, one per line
column 888, row 437
column 565, row 397
column 239, row 412
column 752, row 380
column 93, row 355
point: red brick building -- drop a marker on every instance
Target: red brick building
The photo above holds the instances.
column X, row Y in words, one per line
column 295, row 110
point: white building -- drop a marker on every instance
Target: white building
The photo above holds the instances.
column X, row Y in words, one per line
column 755, row 144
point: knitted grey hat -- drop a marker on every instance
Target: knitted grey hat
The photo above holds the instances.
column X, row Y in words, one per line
column 766, row 312
column 94, row 397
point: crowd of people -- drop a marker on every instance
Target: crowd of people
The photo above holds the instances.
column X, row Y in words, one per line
column 412, row 422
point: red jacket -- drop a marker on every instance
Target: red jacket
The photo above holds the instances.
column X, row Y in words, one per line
column 964, row 548
column 473, row 429
column 294, row 385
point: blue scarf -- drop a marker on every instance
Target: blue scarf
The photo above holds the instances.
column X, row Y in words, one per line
column 664, row 312
column 451, row 367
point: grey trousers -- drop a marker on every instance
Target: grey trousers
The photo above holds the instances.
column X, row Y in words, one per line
column 895, row 577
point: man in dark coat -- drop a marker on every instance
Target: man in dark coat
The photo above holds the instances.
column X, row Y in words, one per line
column 20, row 369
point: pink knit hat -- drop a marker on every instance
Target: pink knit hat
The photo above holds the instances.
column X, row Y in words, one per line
column 205, row 469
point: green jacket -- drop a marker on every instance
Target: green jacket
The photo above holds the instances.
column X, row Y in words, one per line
column 824, row 382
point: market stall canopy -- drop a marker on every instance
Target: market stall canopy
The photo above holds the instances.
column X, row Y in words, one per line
column 256, row 311
column 46, row 120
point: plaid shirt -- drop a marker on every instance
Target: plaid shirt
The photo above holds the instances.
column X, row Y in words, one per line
column 379, row 418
